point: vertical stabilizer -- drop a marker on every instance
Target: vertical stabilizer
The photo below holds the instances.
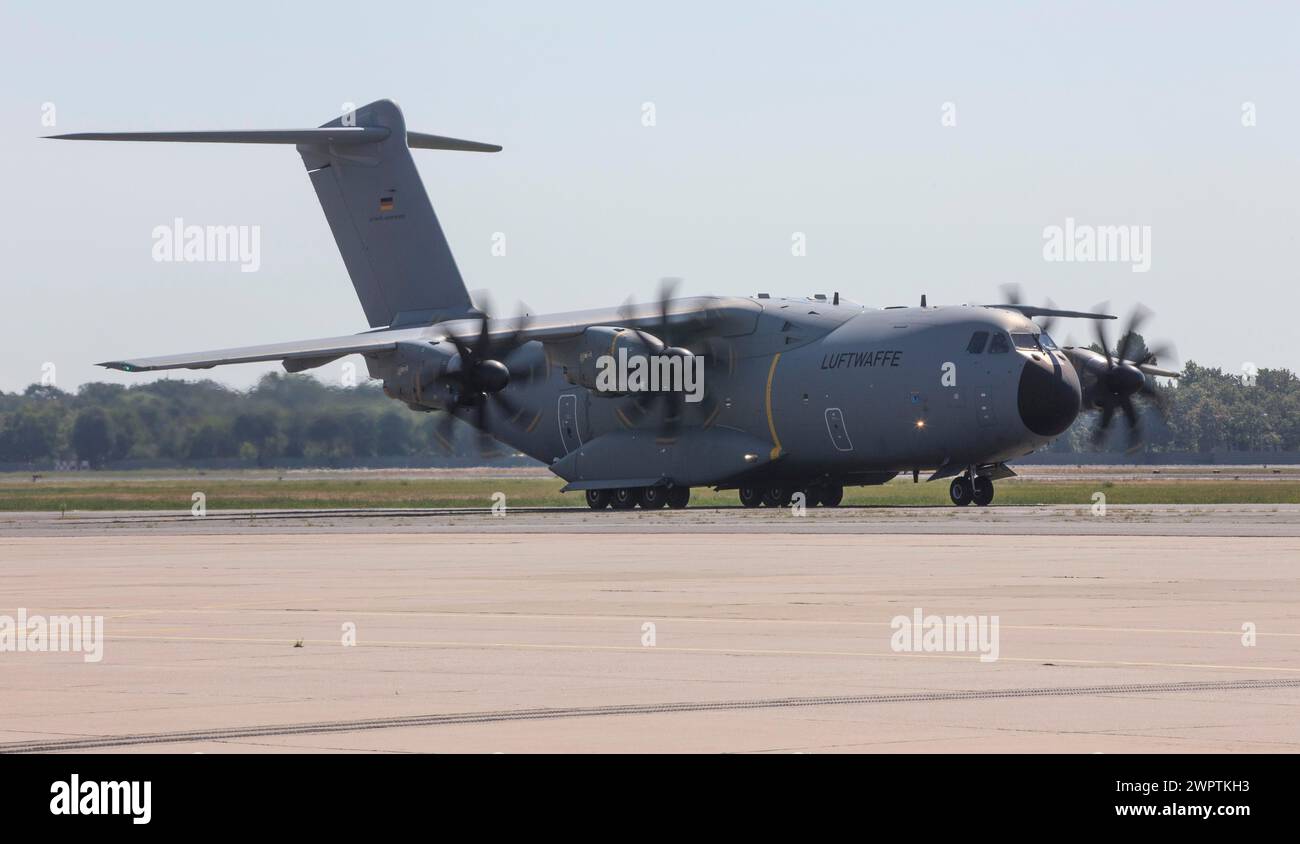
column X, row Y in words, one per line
column 384, row 225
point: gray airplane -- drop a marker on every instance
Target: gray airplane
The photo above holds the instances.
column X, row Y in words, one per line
column 799, row 395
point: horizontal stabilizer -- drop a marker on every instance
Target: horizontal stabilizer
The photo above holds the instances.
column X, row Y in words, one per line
column 420, row 140
column 337, row 135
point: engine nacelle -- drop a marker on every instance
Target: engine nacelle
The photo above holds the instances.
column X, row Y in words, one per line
column 410, row 373
column 603, row 340
column 1103, row 381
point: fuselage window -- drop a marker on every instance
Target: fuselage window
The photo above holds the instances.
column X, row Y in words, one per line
column 999, row 344
column 1046, row 342
column 977, row 341
column 1025, row 341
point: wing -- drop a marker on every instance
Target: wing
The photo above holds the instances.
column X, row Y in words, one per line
column 299, row 355
column 725, row 315
column 1031, row 312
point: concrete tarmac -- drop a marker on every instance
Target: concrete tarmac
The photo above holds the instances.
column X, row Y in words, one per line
column 702, row 631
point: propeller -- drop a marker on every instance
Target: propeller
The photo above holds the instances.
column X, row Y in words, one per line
column 671, row 402
column 1120, row 377
column 479, row 375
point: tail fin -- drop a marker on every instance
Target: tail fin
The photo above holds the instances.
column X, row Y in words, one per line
column 384, row 224
column 361, row 167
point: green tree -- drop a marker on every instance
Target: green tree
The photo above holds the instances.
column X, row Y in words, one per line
column 92, row 436
column 394, row 434
column 28, row 435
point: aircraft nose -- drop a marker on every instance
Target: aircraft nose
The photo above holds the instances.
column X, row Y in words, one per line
column 1048, row 396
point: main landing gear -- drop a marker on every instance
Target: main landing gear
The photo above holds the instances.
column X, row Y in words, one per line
column 825, row 495
column 646, row 497
column 964, row 490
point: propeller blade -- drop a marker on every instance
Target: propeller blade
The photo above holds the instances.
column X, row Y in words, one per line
column 1135, row 320
column 1107, row 413
column 487, row 446
column 667, row 290
column 484, row 337
column 521, row 374
column 523, row 322
column 1048, row 324
column 1102, row 339
column 1130, row 412
column 444, row 432
column 508, row 406
column 672, row 410
column 1134, row 424
column 1157, row 397
column 1157, row 353
column 467, row 358
column 628, row 312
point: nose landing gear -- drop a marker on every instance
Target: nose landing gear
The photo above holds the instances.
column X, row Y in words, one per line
column 965, row 490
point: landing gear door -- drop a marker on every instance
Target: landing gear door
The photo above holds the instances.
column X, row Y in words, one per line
column 570, row 433
column 835, row 427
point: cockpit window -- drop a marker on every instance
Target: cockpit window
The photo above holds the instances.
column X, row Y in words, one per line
column 977, row 341
column 1025, row 341
column 999, row 344
column 1046, row 341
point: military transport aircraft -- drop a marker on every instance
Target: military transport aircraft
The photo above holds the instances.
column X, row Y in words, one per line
column 804, row 394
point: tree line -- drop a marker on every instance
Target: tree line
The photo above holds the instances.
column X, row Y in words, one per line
column 283, row 416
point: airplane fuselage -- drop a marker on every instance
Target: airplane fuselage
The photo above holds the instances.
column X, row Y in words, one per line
column 826, row 391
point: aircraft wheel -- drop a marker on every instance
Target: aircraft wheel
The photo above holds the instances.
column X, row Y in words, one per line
column 751, row 496
column 653, row 497
column 961, row 492
column 812, row 495
column 831, row 495
column 983, row 491
column 777, row 496
column 678, row 497
column 598, row 499
column 625, row 498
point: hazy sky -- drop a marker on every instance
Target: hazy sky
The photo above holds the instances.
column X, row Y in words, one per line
column 771, row 119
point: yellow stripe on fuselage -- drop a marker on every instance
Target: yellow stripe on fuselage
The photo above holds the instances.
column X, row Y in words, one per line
column 771, row 424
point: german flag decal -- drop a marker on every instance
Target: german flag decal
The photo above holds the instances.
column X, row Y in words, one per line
column 385, row 203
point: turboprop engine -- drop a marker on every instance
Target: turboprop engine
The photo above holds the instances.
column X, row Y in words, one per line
column 412, row 373
column 613, row 361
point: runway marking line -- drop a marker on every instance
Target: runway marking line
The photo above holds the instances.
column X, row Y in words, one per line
column 677, row 649
column 305, row 611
